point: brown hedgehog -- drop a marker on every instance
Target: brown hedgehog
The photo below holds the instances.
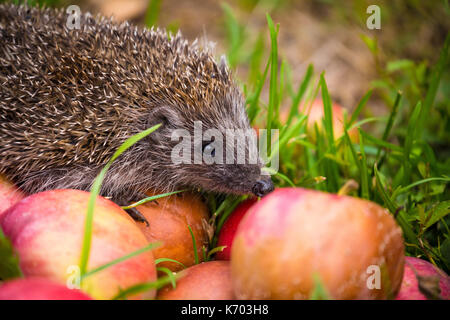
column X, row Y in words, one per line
column 70, row 98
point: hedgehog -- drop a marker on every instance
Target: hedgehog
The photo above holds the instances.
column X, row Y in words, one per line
column 70, row 97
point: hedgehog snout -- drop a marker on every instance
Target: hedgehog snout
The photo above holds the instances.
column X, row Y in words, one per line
column 262, row 187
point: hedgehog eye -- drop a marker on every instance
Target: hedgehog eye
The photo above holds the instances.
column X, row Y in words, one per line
column 209, row 148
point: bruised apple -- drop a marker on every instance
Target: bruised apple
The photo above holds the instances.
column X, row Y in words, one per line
column 294, row 238
column 9, row 194
column 228, row 231
column 410, row 286
column 47, row 229
column 169, row 219
column 38, row 289
column 205, row 281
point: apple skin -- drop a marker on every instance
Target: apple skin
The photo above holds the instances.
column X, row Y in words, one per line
column 169, row 219
column 38, row 289
column 229, row 228
column 205, row 281
column 315, row 114
column 292, row 234
column 9, row 194
column 410, row 286
column 47, row 229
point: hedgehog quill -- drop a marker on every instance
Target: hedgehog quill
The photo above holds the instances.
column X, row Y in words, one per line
column 70, row 98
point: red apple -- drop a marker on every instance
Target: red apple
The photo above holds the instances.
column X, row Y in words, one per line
column 9, row 194
column 38, row 289
column 47, row 229
column 205, row 281
column 410, row 286
column 169, row 219
column 294, row 236
column 226, row 234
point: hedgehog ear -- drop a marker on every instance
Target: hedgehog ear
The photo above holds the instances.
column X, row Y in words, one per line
column 223, row 65
column 164, row 115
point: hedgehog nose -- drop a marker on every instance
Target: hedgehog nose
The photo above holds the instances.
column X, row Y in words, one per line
column 262, row 187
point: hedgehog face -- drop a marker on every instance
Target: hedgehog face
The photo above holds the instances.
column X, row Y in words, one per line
column 215, row 149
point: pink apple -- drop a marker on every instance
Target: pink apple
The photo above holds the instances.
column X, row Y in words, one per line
column 9, row 194
column 205, row 281
column 410, row 286
column 47, row 229
column 294, row 236
column 316, row 115
column 226, row 234
column 38, row 289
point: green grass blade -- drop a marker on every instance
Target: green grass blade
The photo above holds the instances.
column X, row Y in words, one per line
column 253, row 108
column 434, row 84
column 287, row 135
column 151, row 246
column 194, row 244
column 151, row 17
column 9, row 259
column 152, row 198
column 234, row 35
column 392, row 116
column 359, row 108
column 170, row 275
column 215, row 250
column 95, row 191
column 381, row 189
column 328, row 113
column 352, row 150
column 364, row 169
column 391, row 119
column 441, row 210
column 381, row 143
column 143, row 287
column 300, row 92
column 409, row 140
column 273, row 99
column 319, row 292
column 280, row 175
column 392, row 207
column 415, row 184
column 160, row 260
column 331, row 167
column 229, row 205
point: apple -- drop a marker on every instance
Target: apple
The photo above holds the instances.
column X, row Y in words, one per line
column 316, row 114
column 47, row 229
column 38, row 289
column 410, row 286
column 169, row 219
column 205, row 281
column 9, row 194
column 293, row 238
column 228, row 230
